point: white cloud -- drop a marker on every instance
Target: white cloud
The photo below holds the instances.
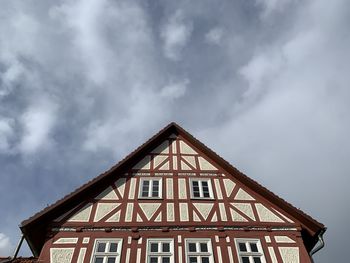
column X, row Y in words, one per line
column 6, row 132
column 175, row 34
column 5, row 245
column 175, row 90
column 38, row 122
column 214, row 36
column 272, row 6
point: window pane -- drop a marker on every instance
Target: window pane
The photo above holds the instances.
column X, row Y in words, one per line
column 192, row 247
column 113, row 247
column 204, row 247
column 153, row 260
column 242, row 247
column 205, row 188
column 205, row 259
column 111, row 260
column 257, row 259
column 245, row 259
column 101, row 247
column 253, row 247
column 193, row 260
column 99, row 260
column 166, row 260
column 145, row 188
column 154, row 247
column 166, row 247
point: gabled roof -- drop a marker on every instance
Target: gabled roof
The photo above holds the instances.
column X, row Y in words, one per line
column 34, row 228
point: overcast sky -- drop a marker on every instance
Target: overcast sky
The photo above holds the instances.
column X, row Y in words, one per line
column 264, row 83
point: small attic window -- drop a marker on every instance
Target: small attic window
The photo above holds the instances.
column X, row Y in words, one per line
column 107, row 251
column 150, row 188
column 201, row 189
column 250, row 251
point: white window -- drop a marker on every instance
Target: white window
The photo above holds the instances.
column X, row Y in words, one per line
column 199, row 251
column 160, row 250
column 150, row 188
column 107, row 251
column 250, row 251
column 201, row 188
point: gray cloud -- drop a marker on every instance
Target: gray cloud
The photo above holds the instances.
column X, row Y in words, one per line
column 91, row 80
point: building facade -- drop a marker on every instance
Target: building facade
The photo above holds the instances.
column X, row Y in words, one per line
column 172, row 200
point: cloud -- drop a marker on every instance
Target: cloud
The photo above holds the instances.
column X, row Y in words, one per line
column 6, row 132
column 214, row 36
column 175, row 90
column 272, row 6
column 175, row 35
column 5, row 245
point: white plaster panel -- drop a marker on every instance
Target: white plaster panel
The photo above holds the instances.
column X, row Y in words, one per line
column 217, row 239
column 205, row 165
column 196, row 217
column 218, row 188
column 184, row 166
column 284, row 239
column 158, row 218
column 70, row 240
column 139, row 241
column 169, row 188
column 214, row 218
column 182, row 188
column 180, row 254
column 103, row 209
column 144, row 164
column 191, row 160
column 170, row 212
column 157, row 160
column 267, row 239
column 179, row 239
column 237, row 217
column 204, row 209
column 132, row 188
column 228, row 239
column 222, row 209
column 128, row 255
column 285, row 217
column 120, row 184
column 245, row 209
column 173, row 146
column 114, row 218
column 58, row 219
column 266, row 215
column 129, row 240
column 183, row 212
column 86, row 240
column 165, row 166
column 149, row 209
column 230, row 256
column 229, row 186
column 138, row 218
column 138, row 255
column 243, row 195
column 186, row 149
column 81, row 256
column 289, row 254
column 174, row 162
column 129, row 210
column 162, row 148
column 272, row 255
column 107, row 194
column 83, row 215
column 218, row 249
column 61, row 255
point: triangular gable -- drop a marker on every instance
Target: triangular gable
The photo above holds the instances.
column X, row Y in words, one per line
column 171, row 149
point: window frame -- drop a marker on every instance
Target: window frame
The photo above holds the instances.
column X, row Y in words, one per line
column 150, row 190
column 199, row 255
column 170, row 254
column 200, row 180
column 250, row 254
column 105, row 255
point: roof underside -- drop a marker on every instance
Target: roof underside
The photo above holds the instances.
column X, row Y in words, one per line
column 34, row 228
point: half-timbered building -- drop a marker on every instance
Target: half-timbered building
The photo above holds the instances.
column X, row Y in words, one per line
column 173, row 200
